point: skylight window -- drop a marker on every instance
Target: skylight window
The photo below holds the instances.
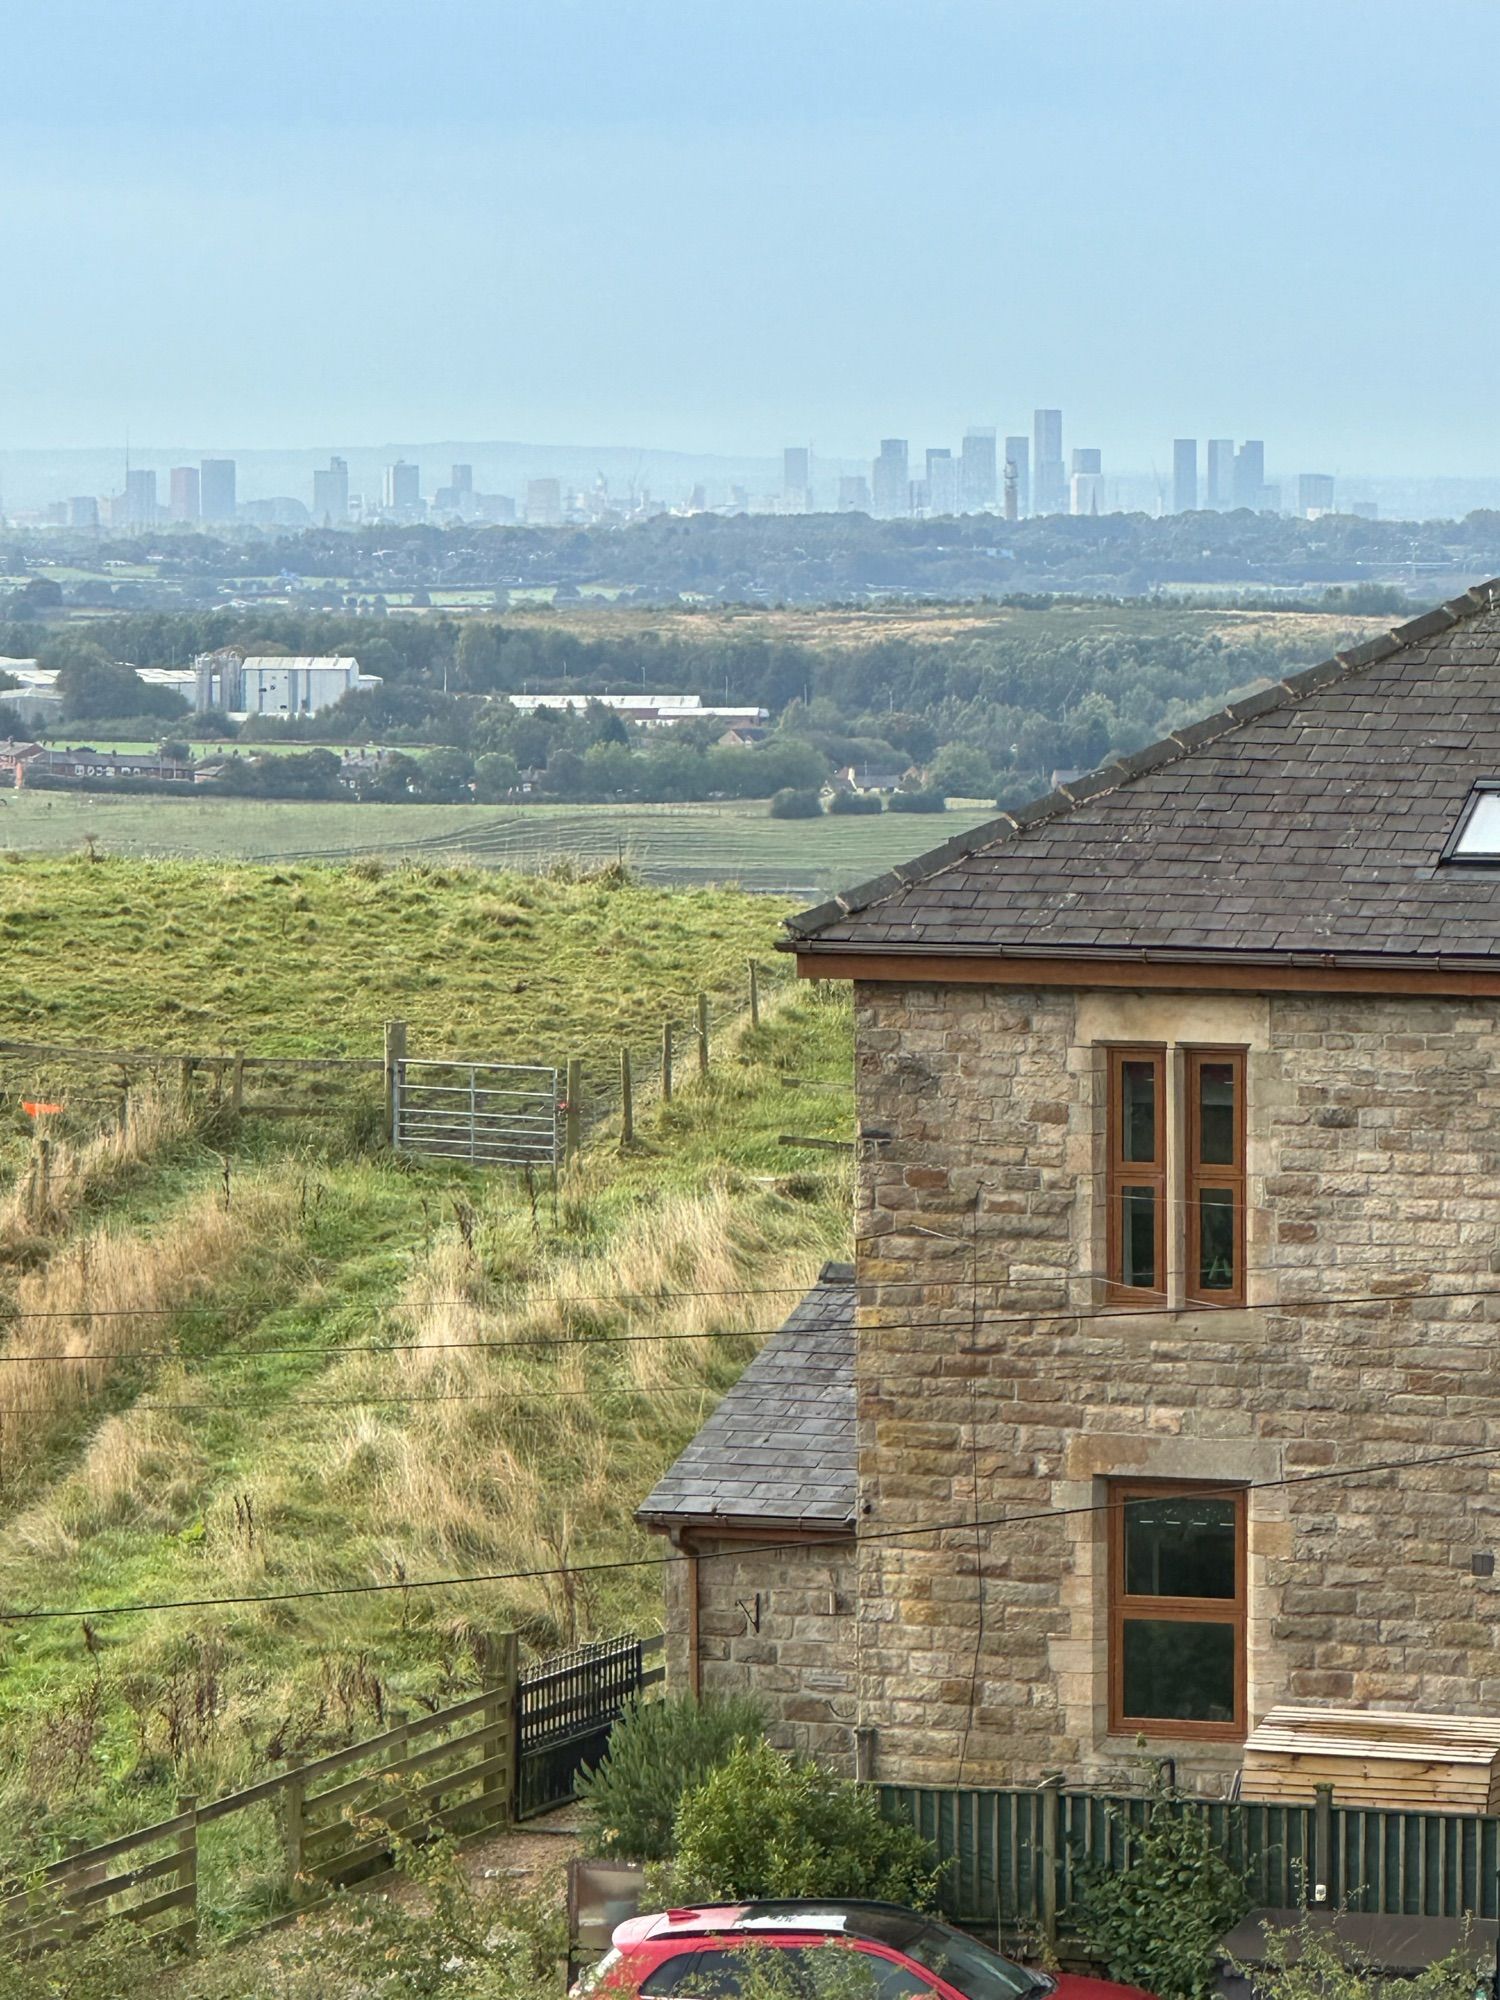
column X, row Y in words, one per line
column 1477, row 837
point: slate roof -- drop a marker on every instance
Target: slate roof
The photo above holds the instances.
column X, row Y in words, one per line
column 779, row 1450
column 1304, row 821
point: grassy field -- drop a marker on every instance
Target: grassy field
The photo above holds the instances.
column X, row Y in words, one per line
column 272, row 1383
column 735, row 843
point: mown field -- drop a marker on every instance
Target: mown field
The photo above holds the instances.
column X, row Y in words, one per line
column 246, row 1359
column 735, row 843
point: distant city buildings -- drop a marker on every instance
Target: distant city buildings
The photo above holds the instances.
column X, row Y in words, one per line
column 1018, row 489
column 83, row 511
column 544, row 507
column 1220, row 496
column 140, row 499
column 216, row 489
column 1086, row 481
column 943, row 481
column 1184, row 475
column 331, row 494
column 978, row 477
column 854, row 493
column 890, row 481
column 401, row 491
column 182, row 503
column 1250, row 475
column 1314, row 493
column 796, row 479
column 1049, row 473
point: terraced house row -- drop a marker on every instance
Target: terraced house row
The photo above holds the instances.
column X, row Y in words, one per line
column 1165, row 1387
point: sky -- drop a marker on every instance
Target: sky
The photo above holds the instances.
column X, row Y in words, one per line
column 730, row 225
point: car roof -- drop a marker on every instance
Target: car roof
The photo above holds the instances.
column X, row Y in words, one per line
column 825, row 1916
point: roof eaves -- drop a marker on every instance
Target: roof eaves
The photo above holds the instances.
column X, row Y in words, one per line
column 804, row 925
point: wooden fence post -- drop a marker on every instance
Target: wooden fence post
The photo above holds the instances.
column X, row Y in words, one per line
column 1051, row 1802
column 499, row 1790
column 185, row 1080
column 395, row 1055
column 187, row 1867
column 666, row 1062
column 573, row 1122
column 627, row 1100
column 41, row 1182
column 703, row 1034
column 237, row 1083
column 754, row 994
column 291, row 1824
column 1320, row 1869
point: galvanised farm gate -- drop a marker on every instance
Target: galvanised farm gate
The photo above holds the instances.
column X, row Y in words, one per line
column 490, row 1114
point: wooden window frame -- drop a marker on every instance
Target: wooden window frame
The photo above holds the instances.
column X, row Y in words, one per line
column 1179, row 1610
column 1120, row 1173
column 1196, row 1177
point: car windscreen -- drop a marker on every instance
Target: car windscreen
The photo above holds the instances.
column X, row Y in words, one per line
column 977, row 1972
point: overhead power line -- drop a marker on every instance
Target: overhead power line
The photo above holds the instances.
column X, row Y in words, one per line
column 966, row 1525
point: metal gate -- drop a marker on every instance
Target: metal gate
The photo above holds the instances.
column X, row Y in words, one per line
column 490, row 1114
column 567, row 1707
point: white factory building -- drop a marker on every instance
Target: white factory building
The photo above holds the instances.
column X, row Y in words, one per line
column 658, row 711
column 245, row 684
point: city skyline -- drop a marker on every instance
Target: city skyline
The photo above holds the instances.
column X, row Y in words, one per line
column 665, row 158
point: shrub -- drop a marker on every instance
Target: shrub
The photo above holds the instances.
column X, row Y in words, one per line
column 916, row 802
column 1156, row 1922
column 768, row 1825
column 855, row 802
column 1306, row 1961
column 658, row 1750
column 789, row 803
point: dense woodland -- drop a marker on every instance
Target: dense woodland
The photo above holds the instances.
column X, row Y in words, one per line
column 992, row 714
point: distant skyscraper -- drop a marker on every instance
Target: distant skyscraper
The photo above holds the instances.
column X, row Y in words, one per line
column 890, row 481
column 1086, row 487
column 1018, row 454
column 401, row 494
column 140, row 499
column 544, row 502
column 331, row 494
column 944, row 482
column 1314, row 493
column 1250, row 475
column 1050, row 473
column 461, row 479
column 1184, row 475
column 1365, row 510
column 1220, row 493
column 796, row 477
column 183, row 505
column 978, row 479
column 854, row 493
column 83, row 511
column 216, row 489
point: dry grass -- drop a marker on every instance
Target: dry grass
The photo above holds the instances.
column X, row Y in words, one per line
column 105, row 1297
column 38, row 1205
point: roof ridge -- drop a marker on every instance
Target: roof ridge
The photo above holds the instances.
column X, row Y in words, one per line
column 1110, row 777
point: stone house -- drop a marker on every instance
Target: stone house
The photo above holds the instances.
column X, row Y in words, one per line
column 1176, row 1364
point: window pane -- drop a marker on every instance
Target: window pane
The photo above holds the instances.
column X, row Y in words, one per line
column 1216, row 1114
column 1216, row 1271
column 1481, row 835
column 1138, row 1112
column 1179, row 1546
column 1177, row 1671
column 1138, row 1236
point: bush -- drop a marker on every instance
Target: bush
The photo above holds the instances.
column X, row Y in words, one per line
column 768, row 1825
column 1155, row 1923
column 916, row 802
column 1305, row 1961
column 658, row 1750
column 789, row 803
column 855, row 802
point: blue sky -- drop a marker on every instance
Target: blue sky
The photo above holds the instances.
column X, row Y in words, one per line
column 725, row 225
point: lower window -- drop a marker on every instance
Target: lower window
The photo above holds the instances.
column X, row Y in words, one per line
column 1177, row 1610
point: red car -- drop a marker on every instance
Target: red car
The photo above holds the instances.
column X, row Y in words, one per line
column 701, row 1955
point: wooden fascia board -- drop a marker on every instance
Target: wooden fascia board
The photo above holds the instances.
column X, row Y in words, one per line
column 1196, row 976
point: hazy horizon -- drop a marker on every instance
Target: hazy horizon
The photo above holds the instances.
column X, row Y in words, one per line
column 719, row 231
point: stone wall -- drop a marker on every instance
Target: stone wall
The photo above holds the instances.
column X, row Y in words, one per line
column 1373, row 1151
column 795, row 1648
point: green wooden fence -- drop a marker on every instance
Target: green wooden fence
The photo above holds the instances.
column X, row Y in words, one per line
column 1015, row 1857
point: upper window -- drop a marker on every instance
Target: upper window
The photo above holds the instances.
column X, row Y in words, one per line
column 1199, row 1176
column 1476, row 838
column 1137, row 1172
column 1177, row 1610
